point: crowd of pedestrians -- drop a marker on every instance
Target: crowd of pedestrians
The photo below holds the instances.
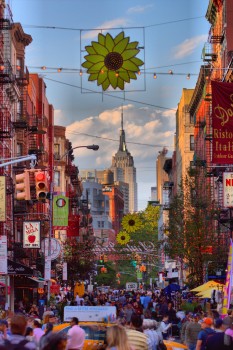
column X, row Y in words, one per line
column 143, row 321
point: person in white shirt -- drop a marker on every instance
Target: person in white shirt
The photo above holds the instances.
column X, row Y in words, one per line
column 165, row 326
column 37, row 331
column 76, row 336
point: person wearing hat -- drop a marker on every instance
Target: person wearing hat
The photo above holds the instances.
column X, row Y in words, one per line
column 206, row 331
column 216, row 341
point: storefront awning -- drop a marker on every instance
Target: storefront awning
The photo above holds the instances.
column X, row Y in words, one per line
column 15, row 268
column 37, row 279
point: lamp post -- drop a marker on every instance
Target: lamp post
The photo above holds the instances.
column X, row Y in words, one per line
column 93, row 147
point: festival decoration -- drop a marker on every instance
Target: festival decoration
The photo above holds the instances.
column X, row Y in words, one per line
column 112, row 61
column 131, row 223
column 123, row 238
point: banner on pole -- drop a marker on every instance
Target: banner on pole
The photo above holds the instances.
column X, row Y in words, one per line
column 222, row 122
column 3, row 255
column 2, row 198
column 60, row 210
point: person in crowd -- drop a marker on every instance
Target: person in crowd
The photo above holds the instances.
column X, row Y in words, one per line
column 228, row 336
column 149, row 329
column 137, row 339
column 191, row 332
column 117, row 338
column 165, row 326
column 29, row 334
column 229, row 318
column 215, row 341
column 18, row 329
column 3, row 329
column 54, row 341
column 34, row 311
column 48, row 329
column 184, row 323
column 206, row 331
column 76, row 335
column 37, row 331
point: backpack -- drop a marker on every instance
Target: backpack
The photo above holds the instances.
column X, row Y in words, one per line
column 161, row 345
column 19, row 346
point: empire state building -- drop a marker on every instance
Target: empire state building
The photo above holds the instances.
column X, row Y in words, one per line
column 125, row 172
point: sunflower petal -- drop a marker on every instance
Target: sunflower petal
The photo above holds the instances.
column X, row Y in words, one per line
column 132, row 75
column 96, row 67
column 112, row 78
column 120, row 47
column 90, row 50
column 129, row 65
column 137, row 61
column 102, row 77
column 124, row 75
column 93, row 77
column 87, row 64
column 119, row 37
column 109, row 42
column 105, row 84
column 127, row 54
column 132, row 45
column 121, row 83
column 101, row 39
column 100, row 49
column 94, row 58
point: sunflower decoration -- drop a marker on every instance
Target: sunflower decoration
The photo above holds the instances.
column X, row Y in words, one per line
column 131, row 223
column 123, row 238
column 112, row 61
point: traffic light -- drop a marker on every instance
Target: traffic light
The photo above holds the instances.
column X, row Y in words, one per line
column 105, row 258
column 22, row 186
column 101, row 258
column 41, row 183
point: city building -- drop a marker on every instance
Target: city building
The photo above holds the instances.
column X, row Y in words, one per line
column 161, row 175
column 124, row 171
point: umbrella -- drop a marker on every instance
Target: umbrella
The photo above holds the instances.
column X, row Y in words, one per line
column 171, row 288
column 207, row 285
column 171, row 345
column 206, row 293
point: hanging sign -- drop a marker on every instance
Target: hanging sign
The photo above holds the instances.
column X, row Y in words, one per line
column 228, row 189
column 55, row 247
column 47, row 269
column 3, row 255
column 2, row 198
column 31, row 234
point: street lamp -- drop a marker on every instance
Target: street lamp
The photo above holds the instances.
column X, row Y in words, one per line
column 93, row 147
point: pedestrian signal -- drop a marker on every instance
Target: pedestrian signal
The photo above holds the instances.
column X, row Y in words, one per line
column 41, row 182
column 22, row 186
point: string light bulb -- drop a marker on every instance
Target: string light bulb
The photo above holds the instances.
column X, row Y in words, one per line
column 80, row 72
column 139, row 73
column 59, row 70
column 155, row 76
column 170, row 71
column 188, row 76
column 117, row 74
column 43, row 68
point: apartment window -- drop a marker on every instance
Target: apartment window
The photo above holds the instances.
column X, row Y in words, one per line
column 100, row 224
column 20, row 108
column 18, row 67
column 191, row 142
column 57, row 153
column 57, row 180
column 19, row 149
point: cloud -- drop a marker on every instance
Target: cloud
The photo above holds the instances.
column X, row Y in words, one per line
column 115, row 23
column 139, row 9
column 147, row 131
column 187, row 47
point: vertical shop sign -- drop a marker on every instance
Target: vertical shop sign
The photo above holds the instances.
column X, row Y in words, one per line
column 47, row 268
column 228, row 189
column 2, row 198
column 222, row 122
column 64, row 271
column 3, row 255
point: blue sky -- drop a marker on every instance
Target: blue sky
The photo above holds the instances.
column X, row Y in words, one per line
column 172, row 32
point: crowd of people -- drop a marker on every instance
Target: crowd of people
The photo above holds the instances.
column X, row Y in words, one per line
column 144, row 320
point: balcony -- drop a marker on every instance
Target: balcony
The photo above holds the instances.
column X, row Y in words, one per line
column 21, row 121
column 6, row 127
column 6, row 73
column 22, row 76
column 208, row 55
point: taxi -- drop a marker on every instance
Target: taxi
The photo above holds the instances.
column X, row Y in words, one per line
column 95, row 333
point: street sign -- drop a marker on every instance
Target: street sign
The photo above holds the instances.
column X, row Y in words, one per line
column 131, row 286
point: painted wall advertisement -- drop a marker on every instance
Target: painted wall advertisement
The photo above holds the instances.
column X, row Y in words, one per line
column 31, row 234
column 3, row 255
column 228, row 189
column 222, row 122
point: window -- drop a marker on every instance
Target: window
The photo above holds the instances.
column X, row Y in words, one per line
column 100, row 224
column 57, row 180
column 19, row 67
column 57, row 151
column 20, row 108
column 19, row 149
column 191, row 142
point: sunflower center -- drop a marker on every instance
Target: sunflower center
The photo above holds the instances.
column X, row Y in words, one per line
column 113, row 61
column 131, row 222
column 122, row 238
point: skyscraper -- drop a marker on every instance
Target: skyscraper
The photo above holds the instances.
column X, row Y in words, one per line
column 124, row 171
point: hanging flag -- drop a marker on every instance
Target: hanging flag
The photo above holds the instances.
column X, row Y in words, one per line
column 2, row 198
column 60, row 210
column 228, row 288
column 222, row 122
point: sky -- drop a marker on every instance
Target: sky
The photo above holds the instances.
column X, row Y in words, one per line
column 171, row 35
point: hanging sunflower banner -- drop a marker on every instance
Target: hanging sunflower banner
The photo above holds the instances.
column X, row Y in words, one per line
column 112, row 61
column 131, row 223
